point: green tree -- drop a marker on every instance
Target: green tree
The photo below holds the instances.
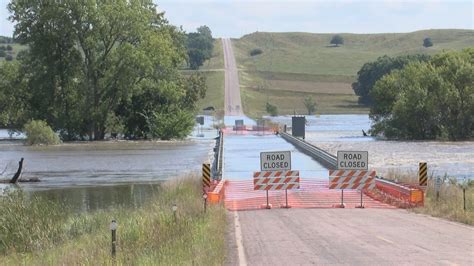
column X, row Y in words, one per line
column 256, row 51
column 371, row 72
column 9, row 57
column 3, row 53
column 196, row 58
column 337, row 40
column 310, row 104
column 9, row 48
column 114, row 125
column 199, row 45
column 271, row 109
column 427, row 100
column 427, row 42
column 97, row 58
column 14, row 111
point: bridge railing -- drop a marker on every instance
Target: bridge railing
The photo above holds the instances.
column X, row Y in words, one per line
column 217, row 163
column 320, row 155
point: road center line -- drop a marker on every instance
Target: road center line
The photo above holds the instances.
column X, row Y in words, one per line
column 238, row 240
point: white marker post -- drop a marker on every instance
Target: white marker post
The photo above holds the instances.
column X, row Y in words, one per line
column 205, row 201
column 174, row 209
column 113, row 228
column 438, row 186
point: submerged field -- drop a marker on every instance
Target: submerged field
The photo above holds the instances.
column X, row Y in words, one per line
column 295, row 65
column 40, row 232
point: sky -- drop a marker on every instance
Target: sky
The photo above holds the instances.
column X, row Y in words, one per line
column 234, row 18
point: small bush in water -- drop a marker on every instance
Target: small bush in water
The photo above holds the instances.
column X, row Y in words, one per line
column 38, row 132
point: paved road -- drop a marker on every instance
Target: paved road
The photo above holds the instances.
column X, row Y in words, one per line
column 233, row 105
column 348, row 237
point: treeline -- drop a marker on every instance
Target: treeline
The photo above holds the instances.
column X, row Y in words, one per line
column 199, row 46
column 6, row 40
column 104, row 68
column 417, row 97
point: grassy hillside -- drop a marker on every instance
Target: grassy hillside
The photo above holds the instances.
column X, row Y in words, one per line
column 16, row 48
column 294, row 65
column 312, row 54
column 213, row 69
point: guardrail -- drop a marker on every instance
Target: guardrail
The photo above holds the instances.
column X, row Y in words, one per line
column 218, row 157
column 322, row 156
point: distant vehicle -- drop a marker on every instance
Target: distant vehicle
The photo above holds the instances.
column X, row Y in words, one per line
column 209, row 108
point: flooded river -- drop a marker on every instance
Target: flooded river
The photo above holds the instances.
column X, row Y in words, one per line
column 98, row 175
column 95, row 175
column 344, row 132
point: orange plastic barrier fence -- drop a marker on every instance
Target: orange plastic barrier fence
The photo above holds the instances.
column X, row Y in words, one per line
column 217, row 194
column 313, row 193
column 408, row 195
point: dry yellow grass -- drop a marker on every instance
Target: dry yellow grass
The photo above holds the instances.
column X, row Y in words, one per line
column 449, row 205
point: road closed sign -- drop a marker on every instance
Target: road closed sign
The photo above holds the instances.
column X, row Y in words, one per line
column 275, row 161
column 352, row 160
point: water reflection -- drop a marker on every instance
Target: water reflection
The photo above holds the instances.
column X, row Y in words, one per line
column 242, row 156
column 99, row 175
column 86, row 199
column 104, row 163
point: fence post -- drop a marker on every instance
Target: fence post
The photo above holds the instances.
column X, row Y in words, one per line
column 113, row 228
column 342, row 198
column 175, row 208
column 464, row 197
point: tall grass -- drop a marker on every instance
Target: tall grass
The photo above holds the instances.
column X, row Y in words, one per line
column 40, row 232
column 449, row 204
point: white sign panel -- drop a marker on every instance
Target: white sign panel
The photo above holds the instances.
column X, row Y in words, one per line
column 275, row 161
column 352, row 160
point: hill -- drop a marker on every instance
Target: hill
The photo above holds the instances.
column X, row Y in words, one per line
column 4, row 41
column 294, row 65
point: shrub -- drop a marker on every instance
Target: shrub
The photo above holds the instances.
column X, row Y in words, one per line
column 427, row 42
column 9, row 57
column 256, row 51
column 2, row 53
column 337, row 39
column 170, row 123
column 272, row 109
column 310, row 104
column 38, row 132
column 9, row 48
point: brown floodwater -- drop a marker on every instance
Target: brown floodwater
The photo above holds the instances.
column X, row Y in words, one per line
column 98, row 175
